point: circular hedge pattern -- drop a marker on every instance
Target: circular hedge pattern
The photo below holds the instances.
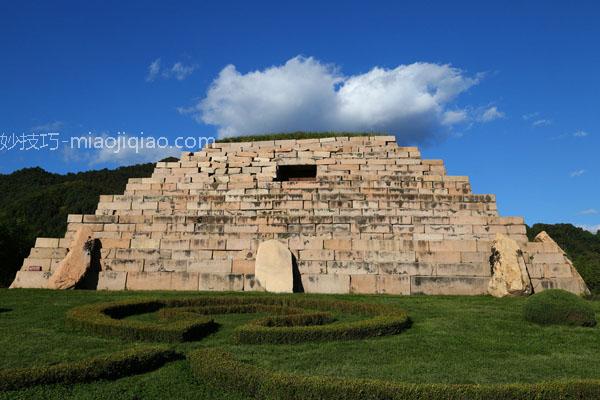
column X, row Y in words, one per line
column 559, row 307
column 291, row 319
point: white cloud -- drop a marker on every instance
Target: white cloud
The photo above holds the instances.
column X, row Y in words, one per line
column 153, row 70
column 541, row 122
column 530, row 116
column 589, row 211
column 580, row 134
column 591, row 228
column 536, row 120
column 577, row 173
column 490, row 114
column 415, row 102
column 178, row 71
column 454, row 117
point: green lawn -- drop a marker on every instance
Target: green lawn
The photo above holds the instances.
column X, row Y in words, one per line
column 452, row 340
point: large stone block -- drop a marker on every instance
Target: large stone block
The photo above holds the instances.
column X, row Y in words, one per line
column 364, row 284
column 393, row 284
column 251, row 284
column 31, row 279
column 112, row 280
column 46, row 242
column 184, row 281
column 313, row 283
column 149, row 280
column 449, row 285
column 221, row 282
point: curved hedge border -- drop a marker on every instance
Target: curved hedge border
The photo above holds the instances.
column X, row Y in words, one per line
column 186, row 312
column 106, row 319
column 384, row 320
column 219, row 369
column 111, row 366
column 298, row 320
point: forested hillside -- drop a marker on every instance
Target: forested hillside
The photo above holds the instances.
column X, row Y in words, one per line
column 34, row 202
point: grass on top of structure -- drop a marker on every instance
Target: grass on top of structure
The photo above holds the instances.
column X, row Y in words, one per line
column 295, row 135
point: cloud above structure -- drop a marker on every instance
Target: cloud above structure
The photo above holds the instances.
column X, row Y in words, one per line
column 578, row 173
column 417, row 102
column 490, row 114
column 178, row 71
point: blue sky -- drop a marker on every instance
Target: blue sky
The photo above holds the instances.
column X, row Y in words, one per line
column 505, row 93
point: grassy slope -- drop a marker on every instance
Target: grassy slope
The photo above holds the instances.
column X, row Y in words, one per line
column 453, row 339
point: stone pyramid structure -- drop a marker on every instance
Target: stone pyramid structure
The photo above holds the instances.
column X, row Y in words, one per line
column 359, row 214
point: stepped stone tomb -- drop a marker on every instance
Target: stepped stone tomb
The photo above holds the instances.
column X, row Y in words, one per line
column 330, row 215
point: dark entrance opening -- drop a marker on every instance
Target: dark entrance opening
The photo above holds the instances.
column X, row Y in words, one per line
column 296, row 172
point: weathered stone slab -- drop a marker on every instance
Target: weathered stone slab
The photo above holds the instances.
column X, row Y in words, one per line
column 46, row 242
column 315, row 283
column 112, row 280
column 184, row 281
column 393, row 284
column 273, row 267
column 509, row 272
column 251, row 284
column 221, row 282
column 363, row 284
column 31, row 279
column 149, row 280
column 77, row 262
column 449, row 285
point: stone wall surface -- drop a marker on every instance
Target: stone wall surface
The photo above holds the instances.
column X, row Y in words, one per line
column 376, row 219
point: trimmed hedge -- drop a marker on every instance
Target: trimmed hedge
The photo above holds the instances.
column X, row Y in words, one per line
column 106, row 319
column 261, row 333
column 111, row 366
column 559, row 307
column 299, row 319
column 219, row 369
column 186, row 312
column 295, row 135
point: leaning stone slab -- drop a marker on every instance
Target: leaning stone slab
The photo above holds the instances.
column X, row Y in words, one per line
column 273, row 268
column 31, row 279
column 112, row 280
column 575, row 284
column 509, row 272
column 77, row 262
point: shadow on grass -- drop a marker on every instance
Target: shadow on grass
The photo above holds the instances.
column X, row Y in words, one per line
column 5, row 310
